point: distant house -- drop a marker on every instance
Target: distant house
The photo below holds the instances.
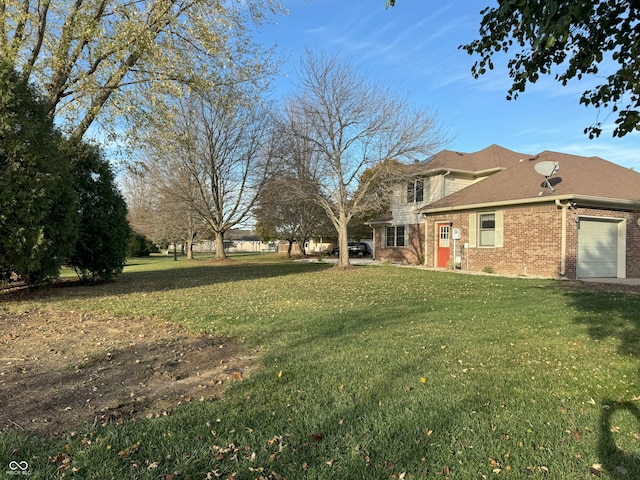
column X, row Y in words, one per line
column 492, row 210
column 236, row 241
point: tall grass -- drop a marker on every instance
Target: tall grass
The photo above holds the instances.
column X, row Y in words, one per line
column 375, row 372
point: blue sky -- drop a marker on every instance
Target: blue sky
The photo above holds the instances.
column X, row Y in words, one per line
column 414, row 47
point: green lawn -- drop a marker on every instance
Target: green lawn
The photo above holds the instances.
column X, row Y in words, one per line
column 374, row 372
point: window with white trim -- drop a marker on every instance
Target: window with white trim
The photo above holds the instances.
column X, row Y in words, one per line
column 395, row 236
column 487, row 229
column 415, row 190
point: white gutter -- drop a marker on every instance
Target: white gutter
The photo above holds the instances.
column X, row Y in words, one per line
column 585, row 200
column 563, row 244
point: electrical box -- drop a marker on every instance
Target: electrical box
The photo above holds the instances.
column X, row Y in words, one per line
column 457, row 234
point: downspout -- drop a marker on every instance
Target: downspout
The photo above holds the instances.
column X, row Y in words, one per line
column 373, row 244
column 426, row 240
column 563, row 244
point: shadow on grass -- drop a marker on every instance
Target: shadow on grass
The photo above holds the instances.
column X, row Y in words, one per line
column 613, row 316
column 610, row 315
column 614, row 459
column 191, row 275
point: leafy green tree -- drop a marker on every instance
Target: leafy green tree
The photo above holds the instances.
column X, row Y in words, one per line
column 139, row 246
column 37, row 205
column 103, row 230
column 115, row 58
column 598, row 38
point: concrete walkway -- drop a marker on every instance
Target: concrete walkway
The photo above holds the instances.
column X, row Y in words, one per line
column 615, row 281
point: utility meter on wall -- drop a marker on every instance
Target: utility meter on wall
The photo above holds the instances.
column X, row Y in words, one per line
column 456, row 234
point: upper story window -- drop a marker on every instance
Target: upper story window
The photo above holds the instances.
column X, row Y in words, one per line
column 415, row 190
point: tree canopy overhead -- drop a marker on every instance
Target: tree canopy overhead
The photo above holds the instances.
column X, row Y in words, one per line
column 89, row 56
column 571, row 39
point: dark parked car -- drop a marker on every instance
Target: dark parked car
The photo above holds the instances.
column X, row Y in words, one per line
column 356, row 249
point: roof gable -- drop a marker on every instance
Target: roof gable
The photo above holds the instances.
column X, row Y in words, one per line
column 493, row 157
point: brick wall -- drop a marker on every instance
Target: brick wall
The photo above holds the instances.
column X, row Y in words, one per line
column 532, row 242
column 633, row 245
column 412, row 254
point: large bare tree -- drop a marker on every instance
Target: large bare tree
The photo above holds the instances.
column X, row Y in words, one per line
column 161, row 197
column 343, row 123
column 218, row 143
column 109, row 58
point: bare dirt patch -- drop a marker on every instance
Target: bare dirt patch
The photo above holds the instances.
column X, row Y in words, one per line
column 60, row 370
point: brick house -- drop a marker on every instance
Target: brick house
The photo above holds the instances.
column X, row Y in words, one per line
column 492, row 210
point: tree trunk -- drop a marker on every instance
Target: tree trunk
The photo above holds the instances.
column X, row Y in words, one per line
column 289, row 248
column 303, row 251
column 189, row 247
column 220, row 253
column 343, row 243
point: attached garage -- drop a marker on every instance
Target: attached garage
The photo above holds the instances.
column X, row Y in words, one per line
column 601, row 248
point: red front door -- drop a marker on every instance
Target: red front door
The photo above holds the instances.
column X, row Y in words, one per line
column 444, row 236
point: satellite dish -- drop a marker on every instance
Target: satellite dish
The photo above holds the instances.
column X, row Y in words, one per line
column 546, row 169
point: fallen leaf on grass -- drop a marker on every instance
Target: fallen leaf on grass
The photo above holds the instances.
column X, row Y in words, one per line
column 274, row 440
column 317, row 437
column 129, row 450
column 63, row 460
column 596, row 469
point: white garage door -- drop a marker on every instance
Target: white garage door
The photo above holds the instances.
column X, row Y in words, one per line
column 597, row 248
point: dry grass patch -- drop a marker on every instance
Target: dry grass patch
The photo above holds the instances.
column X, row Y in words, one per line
column 61, row 369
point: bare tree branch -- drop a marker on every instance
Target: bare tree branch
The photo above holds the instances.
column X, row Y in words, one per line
column 352, row 124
